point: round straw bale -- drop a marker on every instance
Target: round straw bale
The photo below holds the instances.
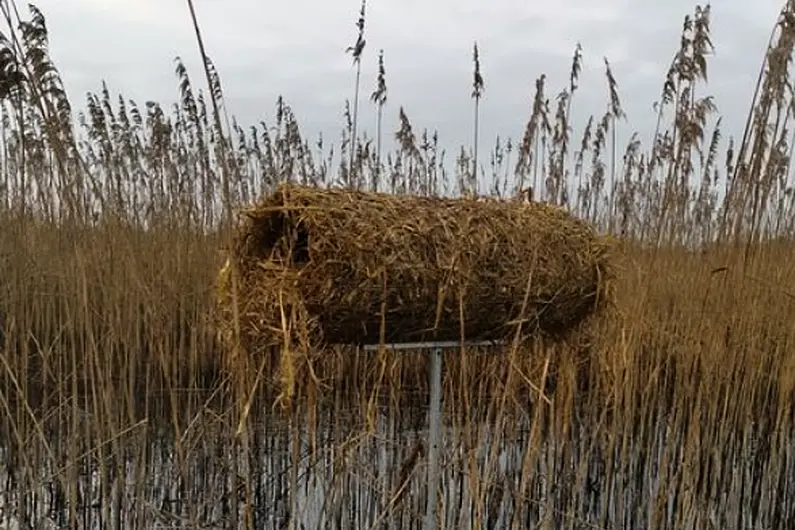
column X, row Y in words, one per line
column 359, row 267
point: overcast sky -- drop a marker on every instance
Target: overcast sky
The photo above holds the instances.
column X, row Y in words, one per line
column 297, row 48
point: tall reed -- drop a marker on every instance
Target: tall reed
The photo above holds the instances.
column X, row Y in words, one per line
column 674, row 412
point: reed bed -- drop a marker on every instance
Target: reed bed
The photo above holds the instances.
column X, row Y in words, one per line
column 674, row 410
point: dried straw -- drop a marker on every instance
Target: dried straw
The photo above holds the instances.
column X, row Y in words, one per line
column 319, row 266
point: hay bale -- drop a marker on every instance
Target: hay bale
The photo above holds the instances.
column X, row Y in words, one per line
column 333, row 265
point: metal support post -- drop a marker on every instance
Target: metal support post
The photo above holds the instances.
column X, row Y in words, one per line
column 435, row 421
column 434, row 412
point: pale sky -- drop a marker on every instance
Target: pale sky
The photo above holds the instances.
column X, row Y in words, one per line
column 297, row 48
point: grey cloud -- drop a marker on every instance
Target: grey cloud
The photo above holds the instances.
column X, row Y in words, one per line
column 297, row 50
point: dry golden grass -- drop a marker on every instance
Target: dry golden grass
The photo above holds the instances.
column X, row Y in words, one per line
column 674, row 411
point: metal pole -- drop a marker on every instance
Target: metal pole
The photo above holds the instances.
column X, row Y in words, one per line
column 435, row 420
column 435, row 410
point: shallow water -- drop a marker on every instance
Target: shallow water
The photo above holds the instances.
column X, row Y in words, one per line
column 347, row 480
